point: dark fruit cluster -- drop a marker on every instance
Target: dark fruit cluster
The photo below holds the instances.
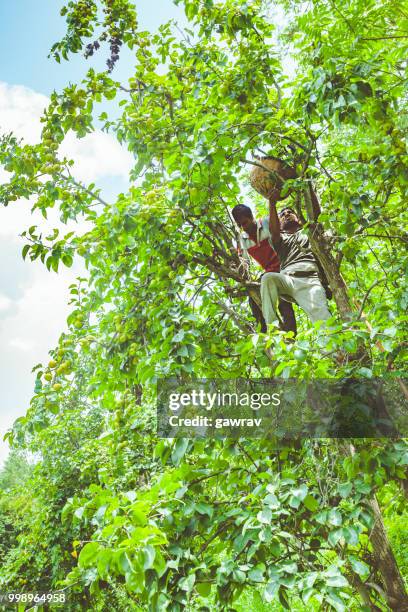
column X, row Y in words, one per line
column 114, row 44
column 91, row 48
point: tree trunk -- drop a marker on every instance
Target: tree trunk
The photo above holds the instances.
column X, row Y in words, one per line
column 384, row 558
column 385, row 561
column 321, row 248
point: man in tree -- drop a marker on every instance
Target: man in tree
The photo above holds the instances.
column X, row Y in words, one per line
column 256, row 241
column 291, row 270
column 298, row 278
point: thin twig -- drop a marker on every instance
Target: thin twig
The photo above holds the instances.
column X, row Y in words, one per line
column 88, row 191
column 243, row 326
column 377, row 282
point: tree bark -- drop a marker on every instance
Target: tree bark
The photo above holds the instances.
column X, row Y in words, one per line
column 321, row 248
column 397, row 598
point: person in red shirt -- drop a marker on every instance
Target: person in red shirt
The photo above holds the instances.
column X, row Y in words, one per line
column 256, row 242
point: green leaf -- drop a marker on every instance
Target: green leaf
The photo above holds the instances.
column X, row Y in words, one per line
column 307, row 594
column 187, row 583
column 134, row 582
column 271, row 590
column 275, row 548
column 89, row 554
column 351, row 535
column 337, row 603
column 358, row 566
column 160, row 564
column 290, row 568
column 311, row 503
column 139, row 516
column 271, row 500
column 256, row 574
column 335, row 517
column 240, row 542
column 203, row 588
column 149, row 554
column 335, row 536
column 104, row 562
column 203, row 508
column 337, row 581
column 298, row 495
column 179, row 450
column 179, row 336
column 264, row 516
column 284, row 597
column 345, row 489
column 124, row 563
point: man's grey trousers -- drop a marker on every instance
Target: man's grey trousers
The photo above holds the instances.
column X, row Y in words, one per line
column 306, row 291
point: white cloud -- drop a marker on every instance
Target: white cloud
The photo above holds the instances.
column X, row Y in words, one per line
column 20, row 344
column 26, row 336
column 20, row 110
column 33, row 301
column 28, row 331
column 5, row 302
column 96, row 156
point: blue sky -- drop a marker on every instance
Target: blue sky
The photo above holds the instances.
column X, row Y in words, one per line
column 33, row 301
column 28, row 28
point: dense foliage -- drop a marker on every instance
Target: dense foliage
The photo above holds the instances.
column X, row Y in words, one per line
column 114, row 515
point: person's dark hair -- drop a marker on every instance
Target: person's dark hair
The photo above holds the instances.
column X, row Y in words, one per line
column 240, row 211
column 288, row 208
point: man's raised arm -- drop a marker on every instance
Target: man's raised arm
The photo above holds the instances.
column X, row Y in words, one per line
column 274, row 225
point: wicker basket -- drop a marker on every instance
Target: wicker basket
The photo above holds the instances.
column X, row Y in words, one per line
column 264, row 182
